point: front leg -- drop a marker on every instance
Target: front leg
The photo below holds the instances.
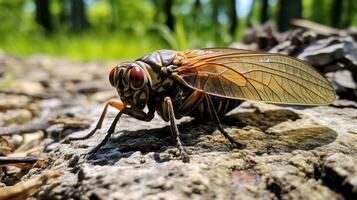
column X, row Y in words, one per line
column 138, row 114
column 113, row 103
column 123, row 110
column 107, row 136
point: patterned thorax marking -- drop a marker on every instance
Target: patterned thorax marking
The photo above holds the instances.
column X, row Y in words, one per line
column 157, row 61
column 159, row 58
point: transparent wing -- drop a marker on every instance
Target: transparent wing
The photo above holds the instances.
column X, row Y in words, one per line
column 241, row 74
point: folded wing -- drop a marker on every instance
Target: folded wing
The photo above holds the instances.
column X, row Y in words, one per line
column 240, row 74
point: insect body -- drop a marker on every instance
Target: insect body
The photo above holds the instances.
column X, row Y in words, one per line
column 209, row 83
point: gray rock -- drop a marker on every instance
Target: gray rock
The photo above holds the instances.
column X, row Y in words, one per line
column 291, row 153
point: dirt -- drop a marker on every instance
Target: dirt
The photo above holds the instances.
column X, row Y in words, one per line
column 291, row 153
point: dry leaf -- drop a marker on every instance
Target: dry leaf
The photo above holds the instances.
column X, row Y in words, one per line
column 27, row 188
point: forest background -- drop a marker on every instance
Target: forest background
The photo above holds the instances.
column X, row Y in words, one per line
column 123, row 29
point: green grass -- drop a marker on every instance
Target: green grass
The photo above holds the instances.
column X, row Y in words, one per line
column 103, row 45
column 87, row 46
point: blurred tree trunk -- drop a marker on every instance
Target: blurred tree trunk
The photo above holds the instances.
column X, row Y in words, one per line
column 232, row 17
column 288, row 10
column 215, row 12
column 349, row 14
column 318, row 13
column 215, row 22
column 196, row 10
column 64, row 15
column 114, row 22
column 195, row 24
column 264, row 11
column 158, row 8
column 169, row 17
column 250, row 15
column 336, row 13
column 78, row 15
column 43, row 15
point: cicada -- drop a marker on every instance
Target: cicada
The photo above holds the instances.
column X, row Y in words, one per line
column 207, row 84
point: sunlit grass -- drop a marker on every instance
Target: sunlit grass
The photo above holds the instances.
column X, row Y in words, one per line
column 89, row 46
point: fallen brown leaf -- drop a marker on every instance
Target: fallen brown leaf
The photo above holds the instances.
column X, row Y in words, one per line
column 26, row 189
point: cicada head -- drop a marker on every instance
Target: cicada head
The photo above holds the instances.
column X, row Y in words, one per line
column 131, row 82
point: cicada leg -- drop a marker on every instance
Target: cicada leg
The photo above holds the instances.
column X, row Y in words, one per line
column 107, row 136
column 168, row 104
column 129, row 111
column 219, row 125
column 118, row 105
column 113, row 103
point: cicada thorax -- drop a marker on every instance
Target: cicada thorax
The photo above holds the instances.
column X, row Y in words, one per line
column 186, row 101
column 156, row 64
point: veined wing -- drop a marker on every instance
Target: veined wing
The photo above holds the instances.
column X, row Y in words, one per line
column 207, row 52
column 249, row 75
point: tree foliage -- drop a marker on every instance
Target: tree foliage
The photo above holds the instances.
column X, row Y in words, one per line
column 152, row 23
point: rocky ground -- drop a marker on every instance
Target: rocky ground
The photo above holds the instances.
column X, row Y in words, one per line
column 292, row 152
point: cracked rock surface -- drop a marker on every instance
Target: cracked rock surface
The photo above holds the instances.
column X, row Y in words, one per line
column 291, row 153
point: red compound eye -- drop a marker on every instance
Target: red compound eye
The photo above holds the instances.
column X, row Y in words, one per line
column 111, row 76
column 136, row 76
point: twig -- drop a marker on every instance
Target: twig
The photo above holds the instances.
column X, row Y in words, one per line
column 26, row 128
column 70, row 122
column 15, row 160
column 67, row 122
column 20, row 162
column 35, row 96
column 343, row 106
